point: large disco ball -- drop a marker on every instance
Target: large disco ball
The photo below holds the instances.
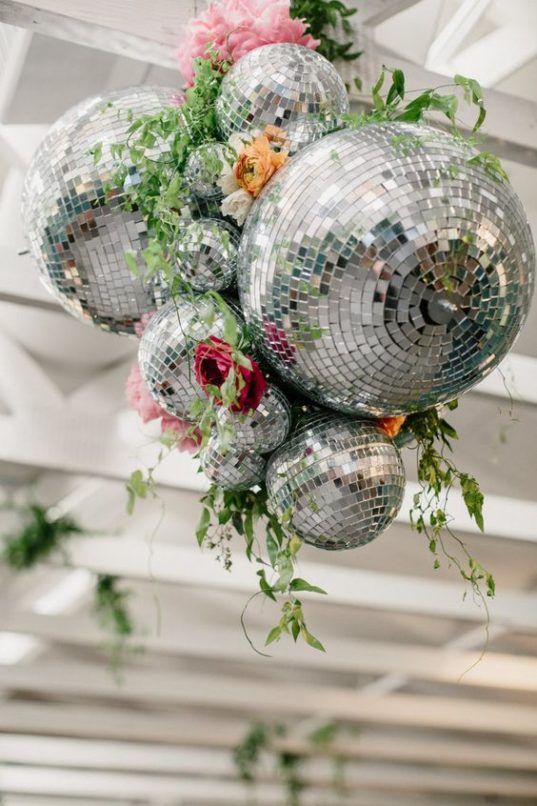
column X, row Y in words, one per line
column 77, row 234
column 342, row 480
column 265, row 428
column 235, row 469
column 285, row 85
column 167, row 349
column 382, row 273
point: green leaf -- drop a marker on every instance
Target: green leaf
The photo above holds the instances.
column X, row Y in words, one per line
column 203, row 525
column 273, row 635
column 130, row 260
column 301, row 585
column 310, row 639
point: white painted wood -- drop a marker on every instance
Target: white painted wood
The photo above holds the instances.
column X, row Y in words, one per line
column 195, row 639
column 271, row 699
column 350, row 587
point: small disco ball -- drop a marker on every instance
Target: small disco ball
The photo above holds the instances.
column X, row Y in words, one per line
column 206, row 254
column 77, row 232
column 266, row 428
column 236, row 469
column 381, row 273
column 342, row 480
column 282, row 85
column 167, row 348
column 205, row 166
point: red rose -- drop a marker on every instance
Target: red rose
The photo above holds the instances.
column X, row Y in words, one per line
column 212, row 363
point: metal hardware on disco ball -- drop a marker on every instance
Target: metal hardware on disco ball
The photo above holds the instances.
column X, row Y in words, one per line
column 77, row 229
column 383, row 273
column 285, row 85
column 341, row 479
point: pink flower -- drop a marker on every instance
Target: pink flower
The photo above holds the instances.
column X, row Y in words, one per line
column 140, row 326
column 139, row 398
column 235, row 27
column 188, row 439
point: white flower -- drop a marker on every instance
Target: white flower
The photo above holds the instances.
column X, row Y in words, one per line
column 237, row 205
column 238, row 140
column 227, row 181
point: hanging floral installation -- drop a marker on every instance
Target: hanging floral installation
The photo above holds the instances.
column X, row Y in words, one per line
column 313, row 287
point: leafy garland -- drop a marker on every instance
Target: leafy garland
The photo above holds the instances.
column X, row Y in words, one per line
column 38, row 540
column 324, row 17
column 263, row 739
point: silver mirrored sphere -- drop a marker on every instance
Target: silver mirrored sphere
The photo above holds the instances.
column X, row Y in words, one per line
column 167, row 350
column 384, row 273
column 206, row 254
column 266, row 428
column 286, row 85
column 341, row 480
column 204, row 167
column 77, row 230
column 236, row 469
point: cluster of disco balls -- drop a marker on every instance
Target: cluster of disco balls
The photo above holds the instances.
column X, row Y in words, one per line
column 380, row 273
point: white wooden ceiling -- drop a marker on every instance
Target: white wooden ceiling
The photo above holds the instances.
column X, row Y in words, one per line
column 398, row 635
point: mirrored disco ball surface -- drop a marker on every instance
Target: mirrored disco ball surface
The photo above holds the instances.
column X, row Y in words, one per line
column 76, row 234
column 382, row 273
column 342, row 480
column 206, row 254
column 266, row 428
column 166, row 353
column 287, row 85
column 205, row 166
column 237, row 469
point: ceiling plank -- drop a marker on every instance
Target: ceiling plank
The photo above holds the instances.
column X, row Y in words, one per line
column 161, row 729
column 195, row 639
column 351, row 587
column 271, row 699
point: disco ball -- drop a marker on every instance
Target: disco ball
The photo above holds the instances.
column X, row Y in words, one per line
column 342, row 480
column 206, row 254
column 285, row 85
column 237, row 469
column 382, row 273
column 205, row 166
column 266, row 428
column 77, row 233
column 166, row 353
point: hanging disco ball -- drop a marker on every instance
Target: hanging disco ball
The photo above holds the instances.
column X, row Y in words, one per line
column 205, row 166
column 77, row 231
column 236, row 469
column 382, row 273
column 287, row 85
column 342, row 480
column 266, row 428
column 206, row 254
column 166, row 353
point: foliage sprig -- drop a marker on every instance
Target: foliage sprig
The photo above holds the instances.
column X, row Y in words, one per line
column 324, row 17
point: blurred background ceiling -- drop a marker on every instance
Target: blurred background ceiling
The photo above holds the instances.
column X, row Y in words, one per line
column 398, row 635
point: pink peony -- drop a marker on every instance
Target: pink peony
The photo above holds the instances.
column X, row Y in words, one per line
column 235, row 27
column 139, row 398
column 187, row 441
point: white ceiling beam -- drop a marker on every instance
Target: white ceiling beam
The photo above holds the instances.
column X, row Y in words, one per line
column 351, row 587
column 61, row 782
column 195, row 639
column 270, row 699
column 516, row 42
column 161, row 729
column 127, row 27
column 466, row 16
column 375, row 12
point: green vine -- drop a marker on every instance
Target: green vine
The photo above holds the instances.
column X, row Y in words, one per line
column 112, row 612
column 324, row 17
column 264, row 739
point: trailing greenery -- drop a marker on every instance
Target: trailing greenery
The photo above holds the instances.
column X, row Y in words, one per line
column 438, row 476
column 324, row 17
column 266, row 740
column 393, row 106
column 112, row 612
column 39, row 537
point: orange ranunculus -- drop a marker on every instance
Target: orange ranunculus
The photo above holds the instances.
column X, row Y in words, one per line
column 276, row 135
column 256, row 164
column 392, row 425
